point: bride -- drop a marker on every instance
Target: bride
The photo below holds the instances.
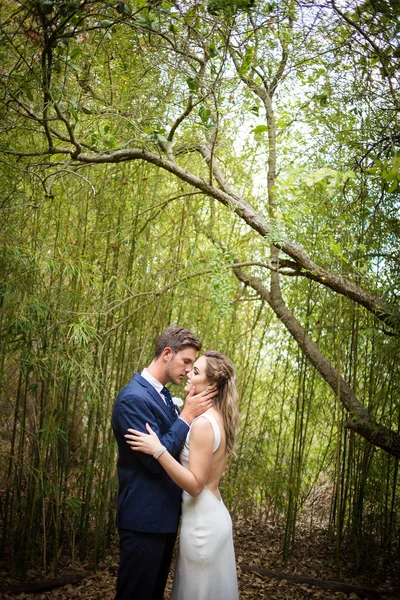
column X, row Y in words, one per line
column 206, row 568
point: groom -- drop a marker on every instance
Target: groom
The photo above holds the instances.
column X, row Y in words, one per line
column 149, row 502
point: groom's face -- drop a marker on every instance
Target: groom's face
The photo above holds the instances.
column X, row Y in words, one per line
column 179, row 364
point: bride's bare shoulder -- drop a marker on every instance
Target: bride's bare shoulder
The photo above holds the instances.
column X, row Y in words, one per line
column 201, row 423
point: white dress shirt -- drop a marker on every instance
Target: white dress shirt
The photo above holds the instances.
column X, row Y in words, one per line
column 153, row 381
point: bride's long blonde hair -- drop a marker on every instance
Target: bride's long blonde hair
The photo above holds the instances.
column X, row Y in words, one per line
column 220, row 370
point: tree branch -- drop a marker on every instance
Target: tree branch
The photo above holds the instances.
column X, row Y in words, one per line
column 361, row 420
column 258, row 223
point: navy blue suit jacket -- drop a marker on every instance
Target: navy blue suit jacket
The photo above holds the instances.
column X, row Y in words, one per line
column 148, row 499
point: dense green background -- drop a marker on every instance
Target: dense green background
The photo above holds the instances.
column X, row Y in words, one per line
column 298, row 103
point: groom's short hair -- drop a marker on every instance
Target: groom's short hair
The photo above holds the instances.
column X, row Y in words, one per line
column 176, row 338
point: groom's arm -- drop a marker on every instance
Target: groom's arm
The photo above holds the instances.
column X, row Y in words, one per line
column 134, row 412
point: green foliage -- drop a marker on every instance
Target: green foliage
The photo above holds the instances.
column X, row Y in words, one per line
column 229, row 7
column 388, row 170
column 95, row 261
column 247, row 61
column 260, row 129
column 221, row 285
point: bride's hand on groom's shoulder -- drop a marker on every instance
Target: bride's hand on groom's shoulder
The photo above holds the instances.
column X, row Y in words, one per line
column 197, row 404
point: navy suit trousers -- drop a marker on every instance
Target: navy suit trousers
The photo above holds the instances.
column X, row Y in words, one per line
column 145, row 560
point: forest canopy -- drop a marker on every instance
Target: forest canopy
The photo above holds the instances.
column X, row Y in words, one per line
column 231, row 166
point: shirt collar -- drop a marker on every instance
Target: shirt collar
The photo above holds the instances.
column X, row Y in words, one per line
column 152, row 380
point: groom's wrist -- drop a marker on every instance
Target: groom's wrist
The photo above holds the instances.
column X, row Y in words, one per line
column 184, row 420
column 186, row 416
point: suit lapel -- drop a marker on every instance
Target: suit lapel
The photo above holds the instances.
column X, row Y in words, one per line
column 154, row 394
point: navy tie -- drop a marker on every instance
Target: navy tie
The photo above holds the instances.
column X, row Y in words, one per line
column 168, row 398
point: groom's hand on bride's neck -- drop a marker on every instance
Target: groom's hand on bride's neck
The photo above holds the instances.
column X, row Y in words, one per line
column 197, row 404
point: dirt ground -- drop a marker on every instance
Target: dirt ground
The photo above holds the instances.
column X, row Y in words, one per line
column 258, row 547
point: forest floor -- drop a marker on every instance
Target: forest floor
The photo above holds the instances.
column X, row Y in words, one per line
column 260, row 547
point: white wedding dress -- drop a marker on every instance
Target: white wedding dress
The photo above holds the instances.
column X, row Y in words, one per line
column 206, row 568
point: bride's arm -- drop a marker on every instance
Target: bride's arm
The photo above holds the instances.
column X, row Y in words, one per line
column 191, row 480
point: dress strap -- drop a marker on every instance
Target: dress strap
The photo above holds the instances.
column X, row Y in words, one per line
column 217, row 433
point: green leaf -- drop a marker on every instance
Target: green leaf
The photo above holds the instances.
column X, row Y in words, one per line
column 75, row 52
column 396, row 162
column 321, row 174
column 193, row 84
column 123, row 8
column 336, row 249
column 247, row 61
column 229, row 7
column 212, row 50
column 28, row 93
column 259, row 129
column 74, row 67
column 204, row 113
column 348, row 175
column 148, row 21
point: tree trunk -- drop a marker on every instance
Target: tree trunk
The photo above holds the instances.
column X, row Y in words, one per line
column 360, row 420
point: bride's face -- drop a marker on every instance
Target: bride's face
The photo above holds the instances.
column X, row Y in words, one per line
column 197, row 376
